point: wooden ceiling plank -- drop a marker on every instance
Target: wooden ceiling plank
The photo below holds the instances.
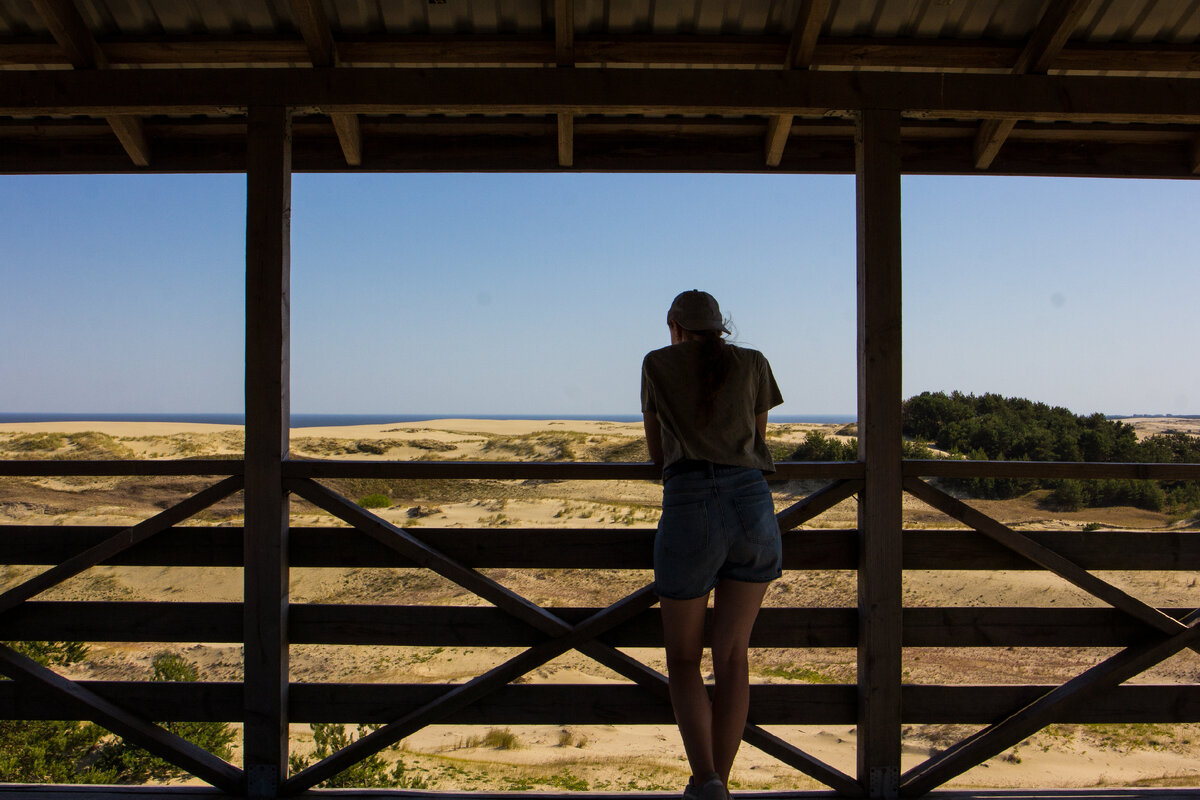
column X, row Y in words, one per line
column 1196, row 156
column 1048, row 39
column 67, row 26
column 809, row 21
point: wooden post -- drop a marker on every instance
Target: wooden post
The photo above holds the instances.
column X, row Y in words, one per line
column 877, row 160
column 268, row 264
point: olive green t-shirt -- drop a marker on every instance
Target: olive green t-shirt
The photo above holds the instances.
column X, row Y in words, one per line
column 671, row 381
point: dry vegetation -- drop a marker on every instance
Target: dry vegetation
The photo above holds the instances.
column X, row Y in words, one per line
column 578, row 757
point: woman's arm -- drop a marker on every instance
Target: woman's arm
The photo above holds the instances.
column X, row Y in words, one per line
column 654, row 436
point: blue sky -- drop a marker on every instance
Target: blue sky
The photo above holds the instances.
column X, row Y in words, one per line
column 504, row 294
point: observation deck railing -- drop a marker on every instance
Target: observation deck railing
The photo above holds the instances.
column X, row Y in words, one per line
column 1145, row 635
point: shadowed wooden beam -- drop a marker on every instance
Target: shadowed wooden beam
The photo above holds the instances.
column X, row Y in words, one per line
column 268, row 402
column 539, row 91
column 803, row 45
column 71, row 33
column 817, row 503
column 564, row 32
column 880, row 550
column 1048, row 39
column 1195, row 154
column 739, row 51
column 323, row 52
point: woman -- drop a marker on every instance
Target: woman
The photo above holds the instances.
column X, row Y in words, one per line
column 705, row 405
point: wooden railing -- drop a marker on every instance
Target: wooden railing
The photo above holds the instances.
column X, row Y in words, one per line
column 1146, row 635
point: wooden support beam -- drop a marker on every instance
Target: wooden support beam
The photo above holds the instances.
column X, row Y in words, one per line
column 566, row 140
column 809, row 21
column 1047, row 41
column 268, row 267
column 349, row 134
column 1195, row 156
column 803, row 45
column 71, row 33
column 736, row 51
column 880, row 604
column 541, row 91
column 317, row 34
column 323, row 52
column 817, row 503
column 564, row 33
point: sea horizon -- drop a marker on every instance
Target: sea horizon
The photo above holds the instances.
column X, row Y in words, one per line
column 314, row 420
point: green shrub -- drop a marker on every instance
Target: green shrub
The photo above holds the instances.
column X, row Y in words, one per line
column 132, row 764
column 376, row 500
column 371, row 772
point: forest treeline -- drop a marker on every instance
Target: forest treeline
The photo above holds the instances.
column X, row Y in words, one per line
column 990, row 427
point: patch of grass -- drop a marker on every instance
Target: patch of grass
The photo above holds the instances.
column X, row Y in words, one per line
column 798, row 673
column 376, row 500
column 35, row 442
column 501, row 739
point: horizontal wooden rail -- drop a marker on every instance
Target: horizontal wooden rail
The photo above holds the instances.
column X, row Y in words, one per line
column 539, row 470
column 30, row 468
column 591, row 548
column 605, row 704
column 476, row 626
column 555, row 470
column 1078, row 470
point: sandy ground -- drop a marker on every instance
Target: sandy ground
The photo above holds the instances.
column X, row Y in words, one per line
column 592, row 757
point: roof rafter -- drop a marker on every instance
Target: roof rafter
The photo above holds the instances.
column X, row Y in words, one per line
column 809, row 20
column 323, row 52
column 71, row 33
column 564, row 55
column 1048, row 39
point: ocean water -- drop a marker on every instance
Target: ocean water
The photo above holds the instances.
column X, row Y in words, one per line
column 335, row 420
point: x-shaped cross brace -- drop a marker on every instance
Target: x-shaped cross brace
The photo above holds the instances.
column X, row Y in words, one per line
column 564, row 637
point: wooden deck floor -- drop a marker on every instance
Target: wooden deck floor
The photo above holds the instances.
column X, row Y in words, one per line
column 21, row 792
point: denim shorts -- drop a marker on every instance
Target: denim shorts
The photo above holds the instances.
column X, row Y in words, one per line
column 717, row 522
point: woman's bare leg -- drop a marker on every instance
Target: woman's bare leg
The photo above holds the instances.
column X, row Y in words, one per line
column 736, row 608
column 683, row 632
